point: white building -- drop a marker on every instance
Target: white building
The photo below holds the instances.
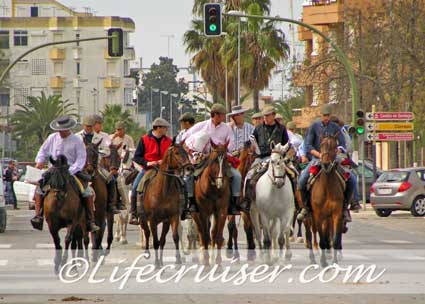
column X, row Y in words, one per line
column 82, row 73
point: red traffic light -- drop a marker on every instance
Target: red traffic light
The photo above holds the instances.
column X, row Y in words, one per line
column 360, row 113
column 213, row 12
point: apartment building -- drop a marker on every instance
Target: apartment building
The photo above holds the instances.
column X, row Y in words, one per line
column 81, row 72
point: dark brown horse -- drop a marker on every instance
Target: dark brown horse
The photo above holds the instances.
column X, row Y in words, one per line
column 212, row 192
column 63, row 209
column 327, row 197
column 247, row 157
column 161, row 201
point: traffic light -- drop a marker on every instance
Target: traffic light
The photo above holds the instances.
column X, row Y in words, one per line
column 360, row 122
column 212, row 19
column 115, row 42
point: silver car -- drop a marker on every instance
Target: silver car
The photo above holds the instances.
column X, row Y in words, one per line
column 400, row 189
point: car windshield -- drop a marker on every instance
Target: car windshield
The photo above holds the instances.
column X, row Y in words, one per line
column 394, row 177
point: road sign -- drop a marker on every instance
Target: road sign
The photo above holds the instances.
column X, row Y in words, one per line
column 408, row 136
column 390, row 126
column 389, row 116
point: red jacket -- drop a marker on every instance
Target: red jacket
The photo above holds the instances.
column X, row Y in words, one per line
column 151, row 148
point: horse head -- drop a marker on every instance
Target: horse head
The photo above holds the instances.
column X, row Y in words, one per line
column 176, row 159
column 58, row 176
column 217, row 163
column 113, row 161
column 328, row 150
column 277, row 168
column 92, row 160
column 247, row 157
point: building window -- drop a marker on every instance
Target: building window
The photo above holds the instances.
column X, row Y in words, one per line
column 128, row 97
column 22, row 68
column 21, row 96
column 110, row 68
column 4, row 39
column 126, row 68
column 39, row 67
column 4, row 97
column 78, row 68
column 20, row 38
column 34, row 11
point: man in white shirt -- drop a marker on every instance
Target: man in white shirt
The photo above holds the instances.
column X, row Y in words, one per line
column 294, row 138
column 63, row 142
column 187, row 120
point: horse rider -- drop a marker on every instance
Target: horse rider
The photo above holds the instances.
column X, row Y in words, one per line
column 266, row 133
column 317, row 129
column 219, row 133
column 294, row 138
column 241, row 129
column 149, row 153
column 187, row 121
column 89, row 136
column 279, row 118
column 257, row 119
column 64, row 142
column 120, row 138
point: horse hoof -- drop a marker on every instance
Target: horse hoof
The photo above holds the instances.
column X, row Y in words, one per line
column 300, row 240
column 147, row 254
column 252, row 255
column 292, row 239
column 288, row 256
column 324, row 264
column 123, row 242
column 229, row 253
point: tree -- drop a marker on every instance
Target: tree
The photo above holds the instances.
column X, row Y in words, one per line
column 113, row 113
column 34, row 118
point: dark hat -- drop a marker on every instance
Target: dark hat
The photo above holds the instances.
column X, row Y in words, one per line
column 326, row 109
column 159, row 122
column 97, row 118
column 186, row 117
column 218, row 108
column 63, row 123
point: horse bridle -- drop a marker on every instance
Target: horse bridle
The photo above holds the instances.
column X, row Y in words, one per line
column 274, row 177
column 171, row 171
column 220, row 160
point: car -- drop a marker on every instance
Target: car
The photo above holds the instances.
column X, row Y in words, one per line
column 25, row 193
column 399, row 189
column 369, row 178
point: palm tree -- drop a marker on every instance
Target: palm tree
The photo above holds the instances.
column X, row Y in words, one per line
column 34, row 118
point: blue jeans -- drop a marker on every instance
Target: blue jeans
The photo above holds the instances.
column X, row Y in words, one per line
column 136, row 183
column 303, row 179
column 356, row 189
column 236, row 183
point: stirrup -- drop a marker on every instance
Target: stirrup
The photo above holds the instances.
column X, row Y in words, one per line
column 37, row 222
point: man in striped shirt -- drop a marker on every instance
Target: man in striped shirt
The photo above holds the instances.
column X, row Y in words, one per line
column 241, row 129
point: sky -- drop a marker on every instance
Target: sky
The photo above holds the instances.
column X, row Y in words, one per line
column 156, row 19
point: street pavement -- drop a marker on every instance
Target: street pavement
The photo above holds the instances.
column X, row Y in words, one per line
column 395, row 244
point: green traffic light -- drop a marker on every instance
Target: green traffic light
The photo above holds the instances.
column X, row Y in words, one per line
column 360, row 130
column 213, row 27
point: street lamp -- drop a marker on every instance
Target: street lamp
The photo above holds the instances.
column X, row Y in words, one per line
column 151, row 114
column 160, row 100
column 231, row 13
column 171, row 111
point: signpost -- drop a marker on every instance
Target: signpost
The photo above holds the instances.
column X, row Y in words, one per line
column 393, row 131
column 390, row 126
column 380, row 116
column 407, row 136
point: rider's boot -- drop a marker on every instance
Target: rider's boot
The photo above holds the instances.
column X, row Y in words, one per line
column 355, row 206
column 111, row 208
column 305, row 211
column 133, row 210
column 233, row 206
column 88, row 203
column 37, row 220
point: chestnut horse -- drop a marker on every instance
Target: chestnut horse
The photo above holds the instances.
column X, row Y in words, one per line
column 327, row 197
column 63, row 209
column 212, row 193
column 161, row 201
column 247, row 157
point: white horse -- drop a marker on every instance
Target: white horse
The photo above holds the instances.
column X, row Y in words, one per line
column 274, row 204
column 122, row 218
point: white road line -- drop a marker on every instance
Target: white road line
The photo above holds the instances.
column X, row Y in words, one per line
column 44, row 246
column 396, row 242
column 4, row 262
column 45, row 262
column 5, row 246
column 411, row 258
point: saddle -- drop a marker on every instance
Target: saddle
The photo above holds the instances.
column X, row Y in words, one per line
column 342, row 174
column 79, row 182
column 147, row 178
column 199, row 168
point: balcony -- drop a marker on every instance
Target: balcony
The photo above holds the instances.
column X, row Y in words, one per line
column 318, row 12
column 129, row 53
column 57, row 82
column 57, row 54
column 112, row 83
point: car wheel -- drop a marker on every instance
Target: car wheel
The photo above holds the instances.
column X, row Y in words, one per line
column 383, row 212
column 418, row 206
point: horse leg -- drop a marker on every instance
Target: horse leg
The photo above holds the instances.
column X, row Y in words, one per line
column 201, row 222
column 257, row 228
column 219, row 240
column 308, row 237
column 324, row 236
column 231, row 226
column 165, row 229
column 117, row 233
column 68, row 240
column 300, row 232
column 337, row 242
column 294, row 221
column 110, row 238
column 124, row 220
column 54, row 232
column 267, row 237
column 175, row 224
column 249, row 231
column 285, row 235
column 144, row 226
column 154, row 230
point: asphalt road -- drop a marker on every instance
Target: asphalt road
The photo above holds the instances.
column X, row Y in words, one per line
column 396, row 245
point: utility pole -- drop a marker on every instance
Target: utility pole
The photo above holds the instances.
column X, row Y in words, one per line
column 169, row 37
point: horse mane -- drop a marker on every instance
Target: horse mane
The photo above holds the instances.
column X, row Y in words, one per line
column 59, row 176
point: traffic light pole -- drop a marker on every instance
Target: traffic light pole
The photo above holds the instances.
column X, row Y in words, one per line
column 340, row 54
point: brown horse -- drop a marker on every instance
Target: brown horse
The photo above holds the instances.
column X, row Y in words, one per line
column 212, row 192
column 63, row 209
column 327, row 197
column 161, row 201
column 247, row 157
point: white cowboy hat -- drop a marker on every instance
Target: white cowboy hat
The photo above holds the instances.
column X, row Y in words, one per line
column 63, row 123
column 237, row 110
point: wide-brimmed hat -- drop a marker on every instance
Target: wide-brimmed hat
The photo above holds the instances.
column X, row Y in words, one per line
column 278, row 116
column 237, row 110
column 218, row 108
column 160, row 122
column 268, row 110
column 63, row 123
column 257, row 115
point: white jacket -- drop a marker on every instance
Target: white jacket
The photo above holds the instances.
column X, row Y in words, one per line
column 104, row 145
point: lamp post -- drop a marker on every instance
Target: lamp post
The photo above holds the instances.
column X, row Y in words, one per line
column 160, row 101
column 151, row 113
column 230, row 13
column 98, row 92
column 171, row 112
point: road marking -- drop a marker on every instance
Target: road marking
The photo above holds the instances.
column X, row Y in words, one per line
column 412, row 258
column 4, row 262
column 45, row 262
column 44, row 246
column 396, row 242
column 23, row 215
column 5, row 246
